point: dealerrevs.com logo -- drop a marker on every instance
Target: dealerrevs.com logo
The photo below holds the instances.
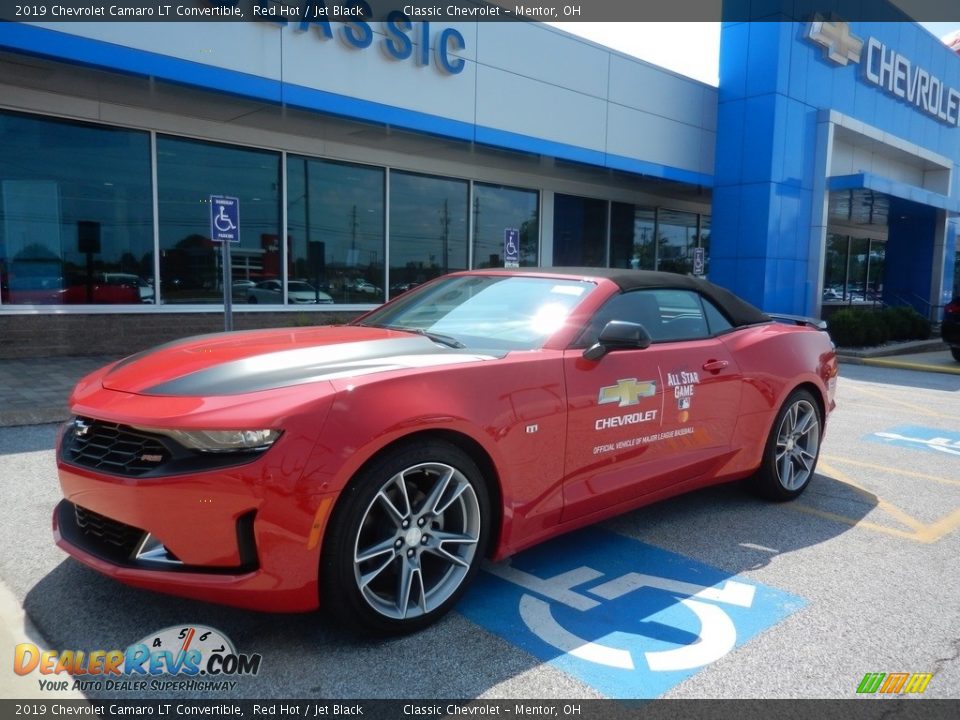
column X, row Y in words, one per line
column 192, row 657
column 894, row 683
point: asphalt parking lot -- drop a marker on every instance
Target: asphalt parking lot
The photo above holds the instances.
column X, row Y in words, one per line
column 711, row 595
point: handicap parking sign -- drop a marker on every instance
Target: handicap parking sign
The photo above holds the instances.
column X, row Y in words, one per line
column 224, row 219
column 626, row 618
column 511, row 248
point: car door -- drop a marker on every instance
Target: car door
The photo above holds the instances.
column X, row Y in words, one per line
column 641, row 421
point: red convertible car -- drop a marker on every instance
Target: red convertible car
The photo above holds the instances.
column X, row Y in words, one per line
column 368, row 468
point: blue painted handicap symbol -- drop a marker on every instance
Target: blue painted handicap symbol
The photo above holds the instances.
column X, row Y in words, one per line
column 628, row 619
column 920, row 438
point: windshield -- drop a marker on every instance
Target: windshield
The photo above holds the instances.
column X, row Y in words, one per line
column 485, row 312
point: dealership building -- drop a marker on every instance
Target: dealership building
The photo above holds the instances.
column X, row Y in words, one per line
column 368, row 157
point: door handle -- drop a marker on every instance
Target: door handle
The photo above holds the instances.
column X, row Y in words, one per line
column 715, row 366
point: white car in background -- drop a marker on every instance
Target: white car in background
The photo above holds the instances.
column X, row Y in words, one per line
column 298, row 293
column 146, row 292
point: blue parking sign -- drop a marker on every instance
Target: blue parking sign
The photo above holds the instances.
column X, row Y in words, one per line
column 224, row 219
column 511, row 248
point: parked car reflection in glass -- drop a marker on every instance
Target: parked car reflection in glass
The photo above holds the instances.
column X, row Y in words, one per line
column 298, row 293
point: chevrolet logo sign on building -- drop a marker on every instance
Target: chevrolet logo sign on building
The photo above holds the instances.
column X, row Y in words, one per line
column 627, row 392
column 839, row 44
column 890, row 71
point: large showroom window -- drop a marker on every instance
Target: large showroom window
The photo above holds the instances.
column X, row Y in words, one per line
column 76, row 218
column 677, row 237
column 496, row 209
column 853, row 269
column 705, row 242
column 428, row 228
column 579, row 231
column 632, row 230
column 335, row 229
column 188, row 173
column 956, row 274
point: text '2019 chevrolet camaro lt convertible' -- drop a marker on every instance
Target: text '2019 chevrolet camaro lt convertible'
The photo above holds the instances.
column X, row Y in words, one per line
column 369, row 468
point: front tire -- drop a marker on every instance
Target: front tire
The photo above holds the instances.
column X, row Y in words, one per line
column 792, row 449
column 406, row 539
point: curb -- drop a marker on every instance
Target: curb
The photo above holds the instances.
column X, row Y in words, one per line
column 909, row 347
column 34, row 416
column 904, row 365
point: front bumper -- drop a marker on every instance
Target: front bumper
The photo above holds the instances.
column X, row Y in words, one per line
column 243, row 536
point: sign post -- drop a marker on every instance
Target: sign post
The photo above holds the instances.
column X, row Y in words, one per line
column 511, row 248
column 225, row 229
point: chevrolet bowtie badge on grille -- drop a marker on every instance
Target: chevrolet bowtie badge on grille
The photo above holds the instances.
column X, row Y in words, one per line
column 80, row 427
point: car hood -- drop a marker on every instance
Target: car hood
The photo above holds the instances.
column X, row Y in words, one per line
column 252, row 361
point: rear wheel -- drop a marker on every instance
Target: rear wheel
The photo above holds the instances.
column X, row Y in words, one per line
column 406, row 539
column 790, row 455
column 955, row 351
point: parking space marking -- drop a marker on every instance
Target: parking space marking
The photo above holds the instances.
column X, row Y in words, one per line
column 920, row 532
column 918, row 437
column 903, row 403
column 626, row 618
column 886, row 468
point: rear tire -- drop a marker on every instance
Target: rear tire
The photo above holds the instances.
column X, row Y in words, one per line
column 955, row 351
column 405, row 540
column 792, row 449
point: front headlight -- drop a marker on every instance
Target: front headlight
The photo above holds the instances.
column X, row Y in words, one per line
column 221, row 441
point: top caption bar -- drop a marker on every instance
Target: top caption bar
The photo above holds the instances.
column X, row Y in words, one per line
column 306, row 11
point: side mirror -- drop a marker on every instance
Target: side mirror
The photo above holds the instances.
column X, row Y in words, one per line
column 618, row 335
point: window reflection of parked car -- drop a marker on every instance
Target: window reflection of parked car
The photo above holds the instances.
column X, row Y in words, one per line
column 75, row 290
column 361, row 285
column 401, row 288
column 950, row 328
column 271, row 291
column 143, row 287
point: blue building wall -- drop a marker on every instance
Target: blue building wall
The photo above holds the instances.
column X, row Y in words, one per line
column 767, row 184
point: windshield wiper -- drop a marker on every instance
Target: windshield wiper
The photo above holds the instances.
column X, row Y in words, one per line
column 436, row 337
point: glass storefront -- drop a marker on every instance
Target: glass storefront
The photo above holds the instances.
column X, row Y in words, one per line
column 428, row 228
column 632, row 233
column 853, row 269
column 676, row 238
column 335, row 228
column 77, row 223
column 76, row 213
column 496, row 209
column 579, row 231
column 188, row 173
column 643, row 238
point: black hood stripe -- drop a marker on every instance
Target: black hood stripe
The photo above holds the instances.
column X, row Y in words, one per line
column 311, row 364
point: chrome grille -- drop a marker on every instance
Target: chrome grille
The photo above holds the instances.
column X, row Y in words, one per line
column 113, row 448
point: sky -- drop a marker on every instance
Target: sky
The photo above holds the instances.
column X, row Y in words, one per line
column 689, row 48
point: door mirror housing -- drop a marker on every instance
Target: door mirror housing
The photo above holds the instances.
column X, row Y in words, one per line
column 618, row 335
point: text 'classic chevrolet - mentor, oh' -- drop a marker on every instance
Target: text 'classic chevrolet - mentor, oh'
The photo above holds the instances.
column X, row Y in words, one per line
column 369, row 468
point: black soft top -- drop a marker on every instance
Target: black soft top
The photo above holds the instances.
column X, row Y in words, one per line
column 738, row 311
